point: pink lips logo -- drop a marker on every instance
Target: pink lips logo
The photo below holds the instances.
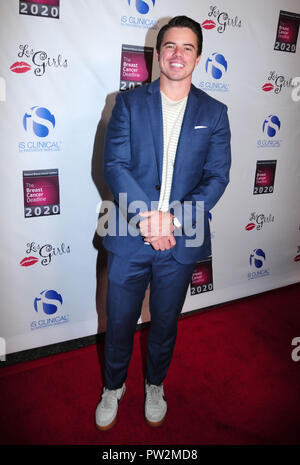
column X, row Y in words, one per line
column 250, row 226
column 297, row 258
column 208, row 24
column 29, row 261
column 267, row 87
column 20, row 67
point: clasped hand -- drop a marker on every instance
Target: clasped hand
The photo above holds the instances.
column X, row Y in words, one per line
column 157, row 229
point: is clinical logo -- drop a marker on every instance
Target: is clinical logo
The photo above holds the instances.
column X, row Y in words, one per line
column 43, row 253
column 257, row 258
column 271, row 125
column 257, row 261
column 220, row 20
column 216, row 67
column 143, row 8
column 276, row 83
column 48, row 302
column 270, row 128
column 39, row 122
column 258, row 220
column 38, row 60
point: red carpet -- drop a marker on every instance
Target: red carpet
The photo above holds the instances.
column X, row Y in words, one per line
column 232, row 381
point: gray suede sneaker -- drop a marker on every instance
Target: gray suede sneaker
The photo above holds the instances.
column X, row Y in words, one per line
column 155, row 404
column 107, row 409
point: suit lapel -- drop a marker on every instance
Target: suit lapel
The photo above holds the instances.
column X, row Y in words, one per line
column 156, row 123
column 189, row 120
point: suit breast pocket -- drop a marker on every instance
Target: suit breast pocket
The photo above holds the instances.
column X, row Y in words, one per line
column 200, row 131
column 200, row 138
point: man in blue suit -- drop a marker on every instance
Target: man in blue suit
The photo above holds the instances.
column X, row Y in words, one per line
column 166, row 161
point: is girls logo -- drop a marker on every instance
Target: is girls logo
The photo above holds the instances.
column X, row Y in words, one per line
column 43, row 254
column 258, row 220
column 276, row 82
column 38, row 60
column 220, row 20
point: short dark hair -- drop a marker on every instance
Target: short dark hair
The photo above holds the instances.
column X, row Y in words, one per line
column 181, row 21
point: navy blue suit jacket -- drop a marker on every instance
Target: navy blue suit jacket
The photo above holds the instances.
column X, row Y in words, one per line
column 133, row 165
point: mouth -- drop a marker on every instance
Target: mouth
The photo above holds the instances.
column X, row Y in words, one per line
column 177, row 65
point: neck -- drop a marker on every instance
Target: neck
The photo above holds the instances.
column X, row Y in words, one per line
column 175, row 90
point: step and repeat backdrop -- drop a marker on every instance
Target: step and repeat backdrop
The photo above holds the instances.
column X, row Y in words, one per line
column 62, row 63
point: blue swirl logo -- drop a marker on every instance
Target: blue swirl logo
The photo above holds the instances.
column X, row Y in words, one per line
column 271, row 125
column 257, row 258
column 39, row 120
column 142, row 6
column 216, row 65
column 49, row 301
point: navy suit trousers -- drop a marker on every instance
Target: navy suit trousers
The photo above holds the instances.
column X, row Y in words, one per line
column 128, row 279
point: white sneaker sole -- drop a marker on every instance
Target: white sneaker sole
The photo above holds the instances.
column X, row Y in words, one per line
column 154, row 424
column 107, row 427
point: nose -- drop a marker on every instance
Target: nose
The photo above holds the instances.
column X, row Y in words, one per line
column 178, row 50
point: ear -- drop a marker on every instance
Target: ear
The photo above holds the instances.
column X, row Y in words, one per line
column 198, row 59
column 157, row 55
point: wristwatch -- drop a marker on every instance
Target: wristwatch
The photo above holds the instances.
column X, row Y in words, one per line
column 176, row 222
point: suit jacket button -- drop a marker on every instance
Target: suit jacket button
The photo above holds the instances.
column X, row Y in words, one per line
column 157, row 187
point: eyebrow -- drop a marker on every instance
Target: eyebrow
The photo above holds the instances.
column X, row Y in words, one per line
column 174, row 43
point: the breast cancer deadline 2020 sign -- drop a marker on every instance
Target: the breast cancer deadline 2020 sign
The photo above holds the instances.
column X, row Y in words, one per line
column 56, row 97
column 41, row 193
column 136, row 66
column 287, row 32
column 44, row 9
